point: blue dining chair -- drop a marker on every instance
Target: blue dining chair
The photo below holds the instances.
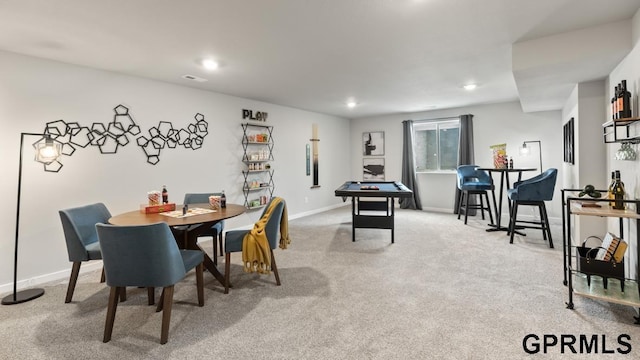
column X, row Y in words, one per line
column 79, row 227
column 233, row 241
column 146, row 256
column 217, row 229
column 472, row 181
column 533, row 192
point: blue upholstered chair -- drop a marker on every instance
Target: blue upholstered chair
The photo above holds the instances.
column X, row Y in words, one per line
column 217, row 229
column 533, row 192
column 233, row 241
column 472, row 181
column 79, row 226
column 146, row 256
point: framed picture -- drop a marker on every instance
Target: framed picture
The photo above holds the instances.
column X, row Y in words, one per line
column 373, row 143
column 567, row 132
column 373, row 169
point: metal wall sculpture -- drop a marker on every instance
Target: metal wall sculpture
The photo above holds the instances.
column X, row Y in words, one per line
column 119, row 132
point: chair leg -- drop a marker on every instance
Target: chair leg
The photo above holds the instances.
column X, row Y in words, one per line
column 200, row 283
column 123, row 295
column 227, row 269
column 512, row 222
column 546, row 222
column 466, row 208
column 166, row 313
column 215, row 251
column 161, row 301
column 486, row 196
column 274, row 267
column 482, row 208
column 542, row 223
column 460, row 203
column 151, row 294
column 75, row 270
column 111, row 313
column 102, row 276
column 220, row 243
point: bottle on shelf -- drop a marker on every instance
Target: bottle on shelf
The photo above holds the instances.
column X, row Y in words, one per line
column 614, row 104
column 165, row 195
column 618, row 192
column 223, row 200
column 625, row 102
column 610, row 195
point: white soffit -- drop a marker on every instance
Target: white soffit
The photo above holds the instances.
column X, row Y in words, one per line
column 547, row 69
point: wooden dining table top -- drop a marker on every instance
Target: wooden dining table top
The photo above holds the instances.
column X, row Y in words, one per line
column 139, row 218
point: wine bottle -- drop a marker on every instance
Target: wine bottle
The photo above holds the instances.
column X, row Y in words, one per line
column 626, row 100
column 618, row 192
column 610, row 195
column 165, row 195
column 614, row 104
column 223, row 200
column 620, row 98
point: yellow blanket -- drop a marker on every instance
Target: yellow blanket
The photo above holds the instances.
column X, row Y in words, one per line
column 256, row 252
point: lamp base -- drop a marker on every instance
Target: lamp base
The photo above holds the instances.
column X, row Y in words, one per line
column 22, row 296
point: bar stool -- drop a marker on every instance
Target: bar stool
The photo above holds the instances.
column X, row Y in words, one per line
column 472, row 181
column 533, row 192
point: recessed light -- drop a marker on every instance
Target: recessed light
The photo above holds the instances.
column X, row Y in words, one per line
column 470, row 86
column 351, row 104
column 210, row 64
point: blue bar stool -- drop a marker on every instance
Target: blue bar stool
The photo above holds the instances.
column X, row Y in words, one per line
column 472, row 181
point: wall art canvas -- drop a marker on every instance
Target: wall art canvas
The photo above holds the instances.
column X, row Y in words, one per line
column 373, row 143
column 373, row 169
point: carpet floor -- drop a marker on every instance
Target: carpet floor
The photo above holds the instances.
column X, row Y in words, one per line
column 442, row 291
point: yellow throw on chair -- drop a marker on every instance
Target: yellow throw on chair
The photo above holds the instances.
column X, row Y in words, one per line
column 256, row 251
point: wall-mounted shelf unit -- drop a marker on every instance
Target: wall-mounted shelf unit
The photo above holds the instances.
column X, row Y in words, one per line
column 612, row 128
column 257, row 146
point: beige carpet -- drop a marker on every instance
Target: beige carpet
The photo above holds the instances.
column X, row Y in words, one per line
column 442, row 291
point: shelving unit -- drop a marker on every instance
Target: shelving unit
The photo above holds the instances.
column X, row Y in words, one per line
column 610, row 131
column 577, row 281
column 257, row 146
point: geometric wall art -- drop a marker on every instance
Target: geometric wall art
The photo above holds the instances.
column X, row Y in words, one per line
column 120, row 132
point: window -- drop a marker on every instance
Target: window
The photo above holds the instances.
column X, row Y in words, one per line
column 436, row 145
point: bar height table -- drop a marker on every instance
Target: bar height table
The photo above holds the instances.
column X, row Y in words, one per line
column 504, row 177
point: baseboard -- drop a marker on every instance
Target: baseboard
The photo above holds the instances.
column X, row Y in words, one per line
column 62, row 275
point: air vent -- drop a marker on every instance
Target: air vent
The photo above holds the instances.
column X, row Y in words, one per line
column 193, row 78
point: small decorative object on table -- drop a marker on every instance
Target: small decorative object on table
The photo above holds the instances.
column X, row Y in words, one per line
column 214, row 202
column 499, row 156
column 154, row 197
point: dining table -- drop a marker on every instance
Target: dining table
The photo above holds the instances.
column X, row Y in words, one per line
column 504, row 180
column 185, row 227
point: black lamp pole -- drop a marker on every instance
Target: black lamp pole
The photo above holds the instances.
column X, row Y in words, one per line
column 524, row 144
column 29, row 294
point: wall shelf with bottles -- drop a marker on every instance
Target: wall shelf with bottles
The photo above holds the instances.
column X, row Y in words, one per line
column 257, row 145
column 612, row 129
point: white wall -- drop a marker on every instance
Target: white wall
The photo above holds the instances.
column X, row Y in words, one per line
column 628, row 69
column 35, row 91
column 586, row 106
column 492, row 124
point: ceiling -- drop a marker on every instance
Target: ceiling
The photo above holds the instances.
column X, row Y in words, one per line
column 390, row 56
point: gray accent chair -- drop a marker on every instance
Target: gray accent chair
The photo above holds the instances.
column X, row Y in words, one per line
column 233, row 241
column 146, row 256
column 533, row 192
column 79, row 226
column 217, row 229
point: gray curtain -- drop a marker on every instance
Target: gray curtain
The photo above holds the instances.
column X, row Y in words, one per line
column 465, row 154
column 409, row 168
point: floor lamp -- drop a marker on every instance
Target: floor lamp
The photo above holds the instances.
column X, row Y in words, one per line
column 524, row 150
column 47, row 151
